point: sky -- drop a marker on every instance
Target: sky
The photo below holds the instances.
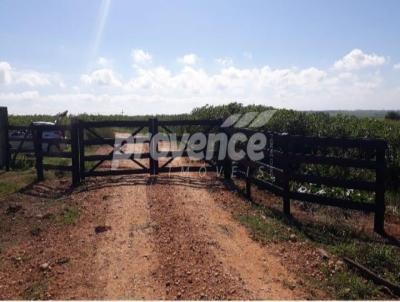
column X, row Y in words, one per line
column 148, row 57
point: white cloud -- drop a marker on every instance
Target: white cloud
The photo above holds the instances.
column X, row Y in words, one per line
column 19, row 96
column 5, row 73
column 32, row 78
column 396, row 66
column 103, row 77
column 103, row 62
column 357, row 59
column 225, row 61
column 189, row 59
column 158, row 89
column 139, row 56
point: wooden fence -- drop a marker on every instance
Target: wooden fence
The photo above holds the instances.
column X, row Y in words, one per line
column 33, row 144
column 280, row 168
column 285, row 154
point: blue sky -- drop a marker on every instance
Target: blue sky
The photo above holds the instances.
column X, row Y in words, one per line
column 168, row 56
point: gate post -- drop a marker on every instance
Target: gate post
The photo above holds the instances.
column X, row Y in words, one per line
column 153, row 125
column 81, row 144
column 37, row 142
column 4, row 146
column 285, row 178
column 379, row 219
column 75, row 153
column 227, row 162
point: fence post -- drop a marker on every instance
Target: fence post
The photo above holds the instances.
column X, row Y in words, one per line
column 81, row 144
column 153, row 124
column 4, row 146
column 37, row 142
column 75, row 153
column 227, row 163
column 155, row 128
column 151, row 150
column 379, row 219
column 285, row 178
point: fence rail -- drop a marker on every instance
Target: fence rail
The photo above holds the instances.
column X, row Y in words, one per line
column 280, row 168
column 286, row 160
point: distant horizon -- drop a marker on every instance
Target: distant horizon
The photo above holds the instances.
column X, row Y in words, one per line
column 378, row 111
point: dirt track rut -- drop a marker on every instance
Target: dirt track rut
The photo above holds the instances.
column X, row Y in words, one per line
column 171, row 239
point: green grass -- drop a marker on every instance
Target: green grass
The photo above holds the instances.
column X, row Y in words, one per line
column 269, row 225
column 346, row 285
column 13, row 181
column 382, row 259
column 265, row 229
column 70, row 215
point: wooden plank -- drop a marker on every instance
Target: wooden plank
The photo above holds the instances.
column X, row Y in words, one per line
column 76, row 179
column 20, row 145
column 166, row 128
column 137, row 131
column 340, row 142
column 55, row 140
column 153, row 147
column 58, row 154
column 247, row 132
column 379, row 219
column 190, row 123
column 81, row 143
column 111, row 141
column 138, row 163
column 57, row 167
column 100, row 141
column 335, row 202
column 227, row 163
column 18, row 127
column 257, row 164
column 346, row 142
column 52, row 127
column 116, row 172
column 334, row 182
column 4, row 147
column 100, row 162
column 285, row 177
column 103, row 124
column 155, row 131
column 112, row 156
column 37, row 134
column 335, row 161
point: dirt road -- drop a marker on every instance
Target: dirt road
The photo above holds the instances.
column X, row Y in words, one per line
column 167, row 237
column 170, row 238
